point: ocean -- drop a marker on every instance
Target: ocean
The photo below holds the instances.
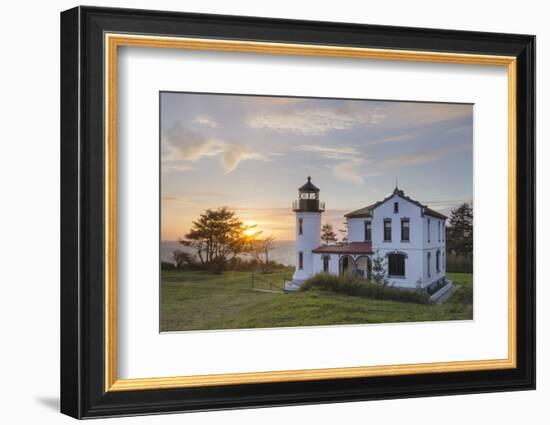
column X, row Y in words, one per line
column 284, row 251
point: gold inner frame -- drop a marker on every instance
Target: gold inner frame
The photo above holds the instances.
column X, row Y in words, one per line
column 113, row 41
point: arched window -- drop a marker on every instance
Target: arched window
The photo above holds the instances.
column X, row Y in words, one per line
column 396, row 265
column 438, row 261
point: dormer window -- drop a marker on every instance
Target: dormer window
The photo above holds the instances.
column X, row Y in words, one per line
column 395, row 207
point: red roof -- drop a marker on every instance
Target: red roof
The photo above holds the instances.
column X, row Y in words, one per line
column 350, row 248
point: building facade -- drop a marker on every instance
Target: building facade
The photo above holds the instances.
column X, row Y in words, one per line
column 409, row 238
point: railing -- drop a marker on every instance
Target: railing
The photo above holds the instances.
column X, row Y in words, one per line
column 258, row 282
column 308, row 205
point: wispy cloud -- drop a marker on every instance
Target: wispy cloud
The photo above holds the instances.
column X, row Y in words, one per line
column 312, row 122
column 330, row 152
column 349, row 171
column 205, row 120
column 350, row 165
column 182, row 145
column 467, row 128
column 419, row 158
column 393, row 139
column 412, row 113
column 171, row 167
column 236, row 153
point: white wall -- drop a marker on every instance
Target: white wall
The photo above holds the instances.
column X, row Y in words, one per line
column 333, row 263
column 414, row 248
column 306, row 242
column 356, row 229
column 29, row 172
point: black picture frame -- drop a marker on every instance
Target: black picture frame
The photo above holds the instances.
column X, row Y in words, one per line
column 82, row 219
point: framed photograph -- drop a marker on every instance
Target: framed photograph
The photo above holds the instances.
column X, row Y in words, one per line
column 261, row 212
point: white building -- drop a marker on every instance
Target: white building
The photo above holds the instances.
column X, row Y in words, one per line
column 408, row 236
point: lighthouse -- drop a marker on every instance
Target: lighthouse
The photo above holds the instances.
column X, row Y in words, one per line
column 308, row 210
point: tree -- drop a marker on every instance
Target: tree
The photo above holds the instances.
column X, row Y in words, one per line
column 219, row 236
column 182, row 258
column 327, row 234
column 379, row 270
column 260, row 251
column 344, row 232
column 460, row 234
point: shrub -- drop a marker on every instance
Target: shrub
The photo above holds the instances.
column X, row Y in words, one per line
column 349, row 285
column 165, row 265
column 458, row 264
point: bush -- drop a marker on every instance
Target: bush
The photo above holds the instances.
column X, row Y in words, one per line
column 458, row 264
column 356, row 287
column 165, row 265
column 239, row 264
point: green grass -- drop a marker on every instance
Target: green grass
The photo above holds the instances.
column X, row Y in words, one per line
column 201, row 301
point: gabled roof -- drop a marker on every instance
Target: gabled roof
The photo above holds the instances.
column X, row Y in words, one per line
column 367, row 211
column 362, row 212
column 430, row 212
column 350, row 248
column 309, row 187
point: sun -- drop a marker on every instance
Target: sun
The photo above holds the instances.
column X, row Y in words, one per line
column 251, row 231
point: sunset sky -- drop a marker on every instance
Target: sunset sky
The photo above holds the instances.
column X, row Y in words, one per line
column 251, row 153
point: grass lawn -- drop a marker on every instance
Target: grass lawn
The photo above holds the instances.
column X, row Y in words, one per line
column 201, row 301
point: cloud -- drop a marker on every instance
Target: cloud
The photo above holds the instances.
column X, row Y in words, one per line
column 328, row 152
column 413, row 113
column 182, row 146
column 392, row 139
column 193, row 151
column 205, row 120
column 468, row 128
column 423, row 157
column 235, row 153
column 171, row 167
column 349, row 171
column 349, row 165
column 312, row 122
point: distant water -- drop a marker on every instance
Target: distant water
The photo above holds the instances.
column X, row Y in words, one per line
column 283, row 252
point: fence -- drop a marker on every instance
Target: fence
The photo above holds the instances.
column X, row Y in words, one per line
column 259, row 283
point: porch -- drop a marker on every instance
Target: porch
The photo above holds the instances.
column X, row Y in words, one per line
column 355, row 265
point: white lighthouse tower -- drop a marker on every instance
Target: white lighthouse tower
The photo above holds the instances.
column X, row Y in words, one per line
column 308, row 211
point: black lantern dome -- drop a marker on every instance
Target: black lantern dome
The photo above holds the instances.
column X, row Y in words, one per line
column 308, row 199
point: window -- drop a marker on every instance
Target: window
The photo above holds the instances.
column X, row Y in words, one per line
column 368, row 231
column 300, row 226
column 429, row 260
column 438, row 261
column 396, row 207
column 429, row 225
column 405, row 230
column 326, row 259
column 387, row 230
column 439, row 231
column 396, row 265
column 301, row 260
